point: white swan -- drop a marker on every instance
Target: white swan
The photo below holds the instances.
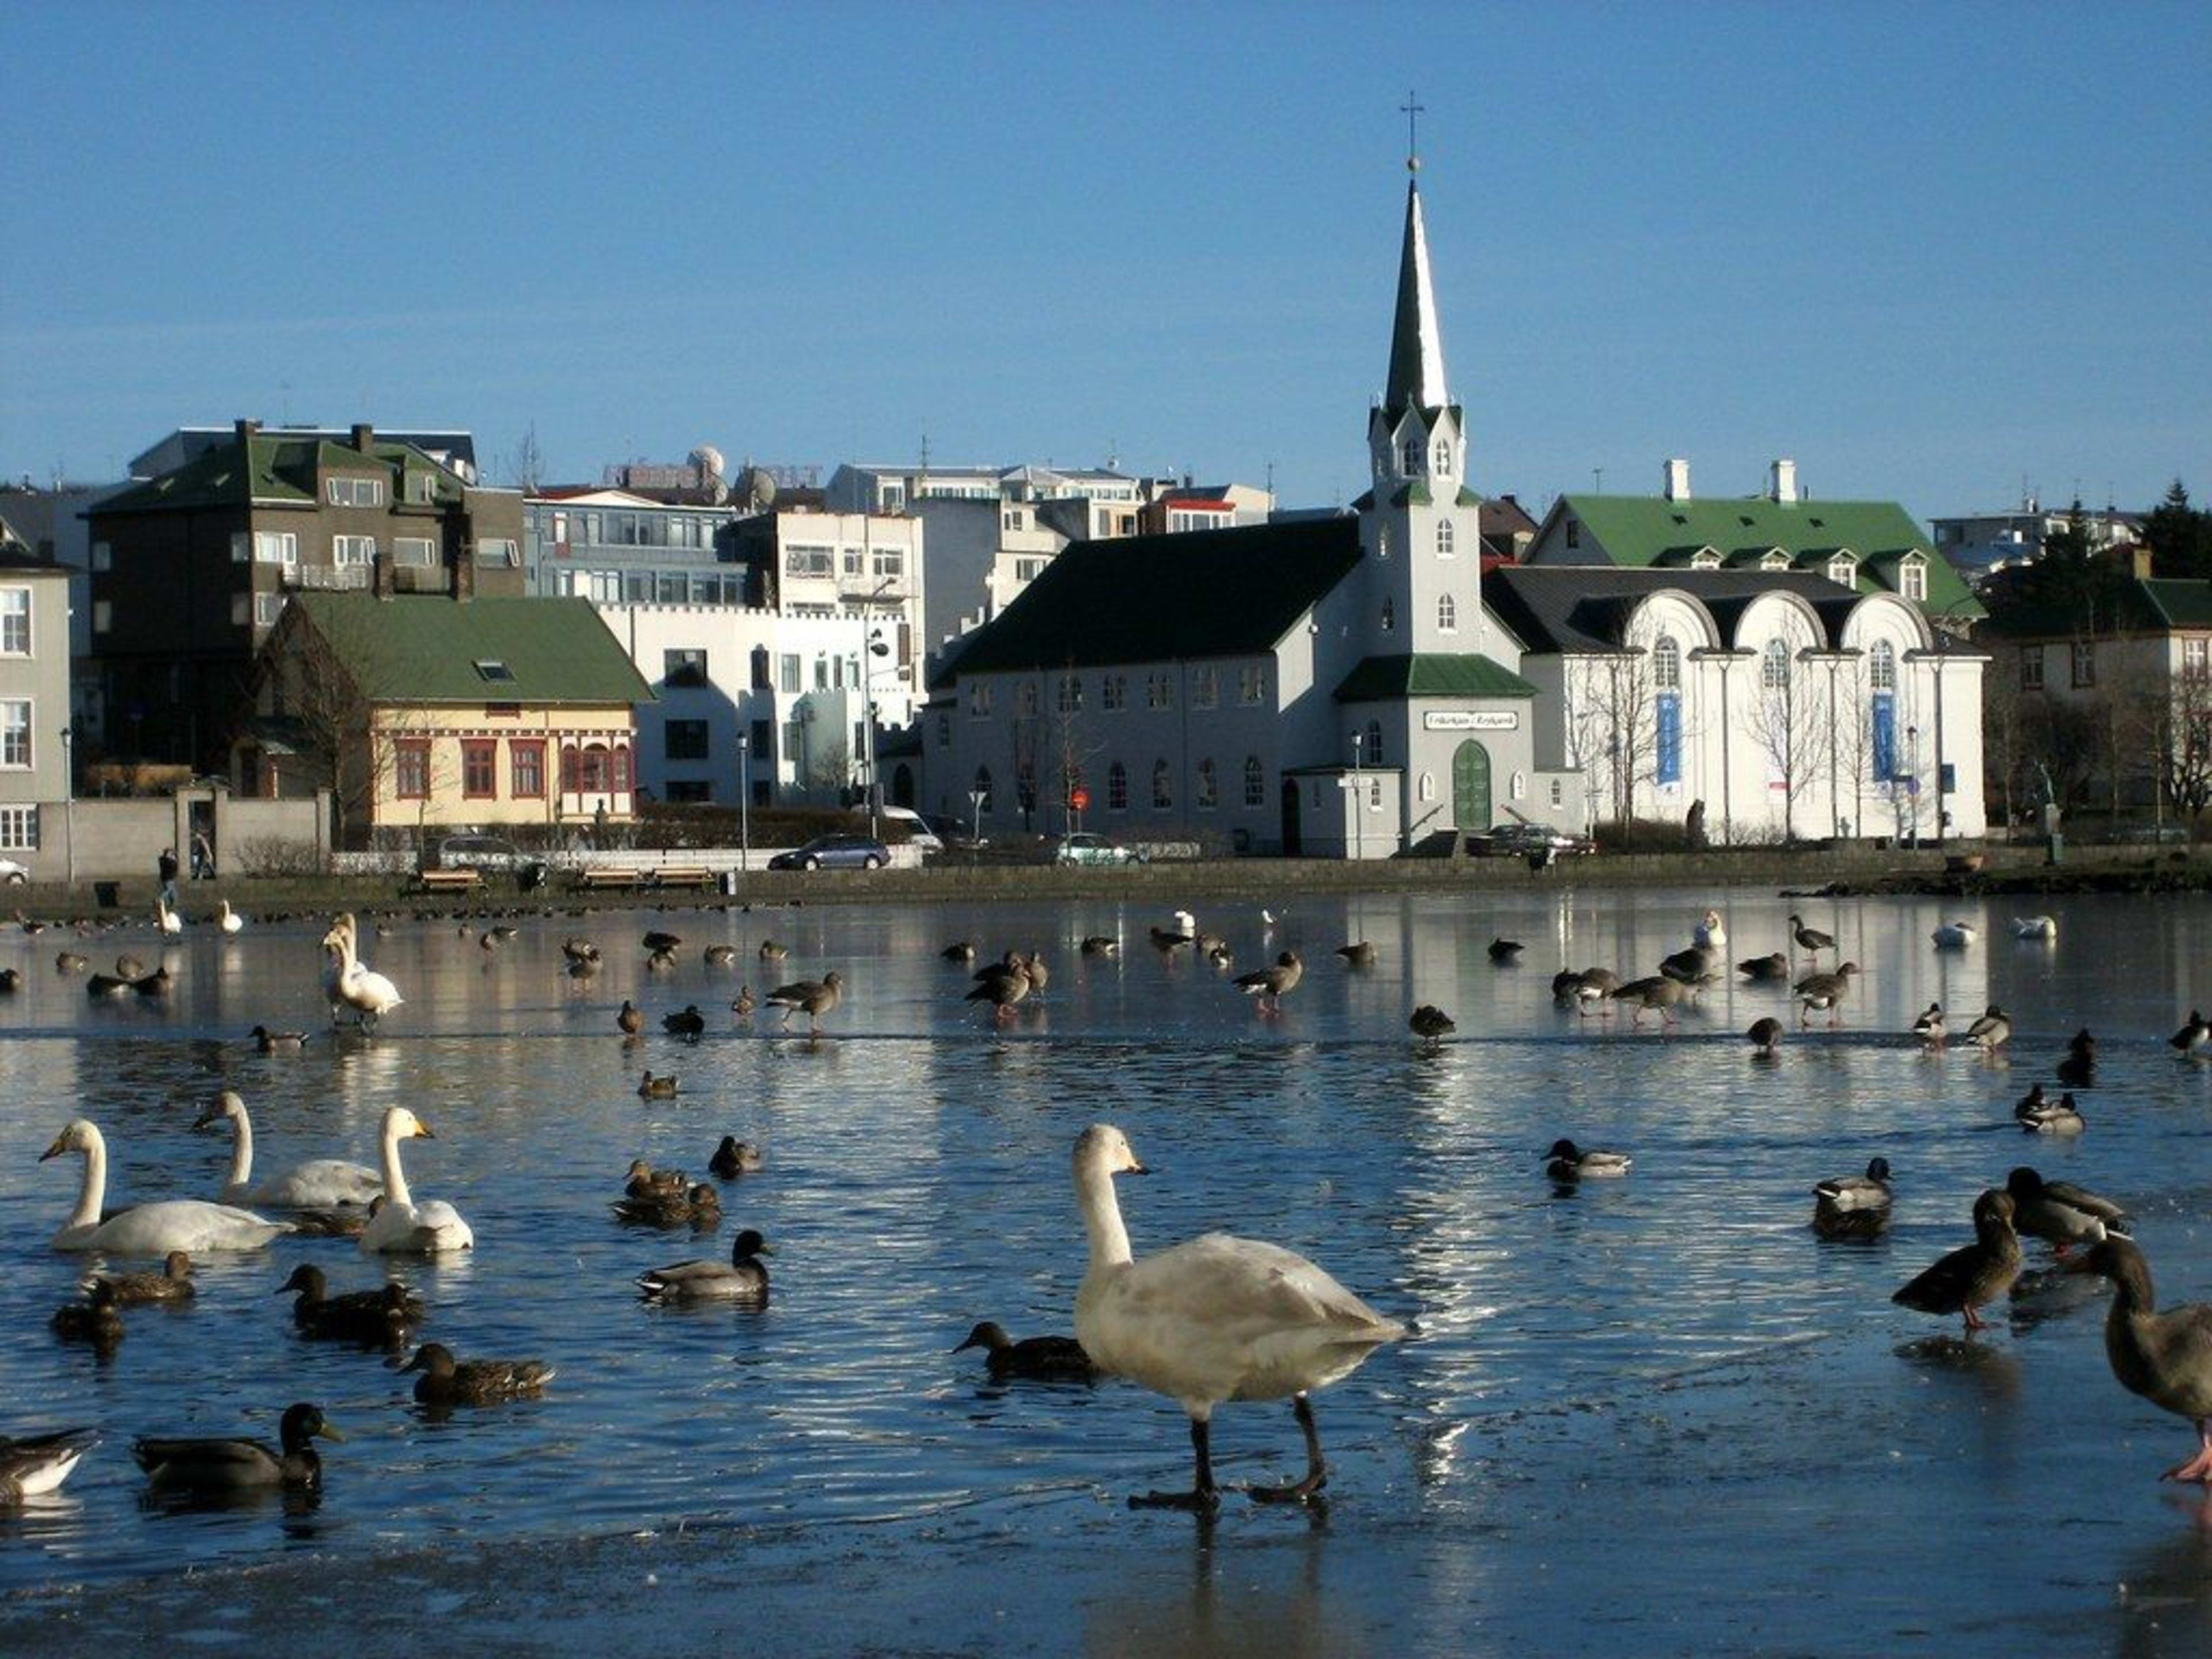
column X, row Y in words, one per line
column 171, row 922
column 229, row 920
column 1216, row 1318
column 358, row 987
column 1956, row 935
column 191, row 1224
column 318, row 1183
column 2035, row 927
column 400, row 1225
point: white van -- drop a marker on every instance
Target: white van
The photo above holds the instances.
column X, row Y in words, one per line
column 918, row 835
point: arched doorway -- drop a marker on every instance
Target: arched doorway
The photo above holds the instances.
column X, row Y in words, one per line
column 902, row 785
column 1471, row 787
column 1293, row 834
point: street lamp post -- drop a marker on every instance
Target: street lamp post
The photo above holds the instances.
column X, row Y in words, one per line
column 1359, row 802
column 1912, row 779
column 745, row 801
column 68, row 807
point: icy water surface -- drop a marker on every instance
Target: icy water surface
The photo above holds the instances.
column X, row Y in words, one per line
column 1664, row 1360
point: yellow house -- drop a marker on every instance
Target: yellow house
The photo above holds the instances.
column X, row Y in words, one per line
column 421, row 711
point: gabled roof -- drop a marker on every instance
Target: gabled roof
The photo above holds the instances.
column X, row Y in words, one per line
column 427, row 649
column 2156, row 606
column 1228, row 592
column 273, row 470
column 1430, row 674
column 1583, row 610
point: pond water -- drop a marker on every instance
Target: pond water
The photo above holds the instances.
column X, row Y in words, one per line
column 1572, row 1345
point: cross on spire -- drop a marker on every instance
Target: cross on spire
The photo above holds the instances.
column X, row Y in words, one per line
column 1414, row 109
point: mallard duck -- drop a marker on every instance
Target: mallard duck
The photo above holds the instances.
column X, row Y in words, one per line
column 629, row 1019
column 32, row 1465
column 1991, row 1029
column 659, row 940
column 129, row 967
column 960, row 950
column 1216, row 1318
column 1840, row 1194
column 1654, row 991
column 277, row 1042
column 97, row 1319
column 743, row 1005
column 661, row 962
column 215, row 1466
column 1973, row 1275
column 71, row 962
column 2194, row 1040
column 1038, row 1358
column 98, row 985
column 688, row 1023
column 815, row 998
column 1766, row 1035
column 445, row 1381
column 657, row 1088
column 1824, row 991
column 158, row 983
column 1811, row 940
column 734, row 1157
column 772, row 951
column 1764, row 969
column 177, row 1224
column 720, row 956
column 316, row 1183
column 1956, row 935
column 687, row 1204
column 1100, row 945
column 743, row 1277
column 2061, row 1212
column 1268, row 987
column 2166, row 1357
column 1568, row 1162
column 11, row 981
column 1930, row 1028
column 1430, row 1023
column 641, row 1180
column 579, row 950
column 2050, row 1117
column 174, row 1283
column 2078, row 1070
column 400, row 1226
column 1506, row 953
column 381, row 1317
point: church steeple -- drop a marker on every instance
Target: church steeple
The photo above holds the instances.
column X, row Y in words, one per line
column 1417, row 343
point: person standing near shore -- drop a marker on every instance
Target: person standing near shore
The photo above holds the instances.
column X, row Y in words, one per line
column 166, row 867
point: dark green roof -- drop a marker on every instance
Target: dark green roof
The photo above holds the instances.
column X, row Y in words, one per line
column 1430, row 674
column 2179, row 602
column 2153, row 607
column 285, row 471
column 427, row 649
column 1198, row 593
column 1644, row 531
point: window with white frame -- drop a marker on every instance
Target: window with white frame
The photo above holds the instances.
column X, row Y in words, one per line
column 1843, row 570
column 1774, row 666
column 1409, row 457
column 804, row 559
column 103, row 616
column 354, row 492
column 1255, row 781
column 2030, row 668
column 1912, row 580
column 1113, row 693
column 1204, row 690
column 1252, row 684
column 1881, row 666
column 1162, row 787
column 276, row 547
column 267, row 607
column 1371, row 746
column 103, row 556
column 15, row 732
column 1665, row 664
column 1160, row 691
column 351, row 550
column 1447, row 538
column 1208, row 788
column 1440, row 458
column 15, row 622
column 2085, row 662
column 499, row 552
column 1428, row 786
column 1447, row 614
column 887, row 562
column 2193, row 657
column 19, row 829
column 416, row 551
column 1071, row 694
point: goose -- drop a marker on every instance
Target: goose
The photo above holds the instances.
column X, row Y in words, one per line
column 1357, row 954
column 2166, row 1357
column 32, row 1465
column 1430, row 1023
column 743, row 1005
column 1183, row 931
column 2078, row 1070
column 1766, row 1035
column 578, row 949
column 1929, row 1028
column 657, row 941
column 2049, row 1117
column 1002, row 985
column 227, row 919
column 1825, row 991
column 1213, row 1319
column 1809, row 939
column 688, row 1023
column 445, row 1381
column 400, row 1225
column 334, row 963
column 1100, row 945
column 1590, row 988
column 1764, row 969
column 657, row 1088
column 812, row 997
column 1956, row 935
column 358, row 987
column 1690, row 965
column 1991, row 1029
column 11, row 981
column 191, row 1224
column 2041, row 930
column 1039, row 970
column 71, row 962
column 2194, row 1040
column 158, row 983
column 98, row 985
column 1568, row 1162
column 1506, row 953
column 743, row 1277
column 1268, row 987
column 97, row 1319
column 1654, row 991
column 629, row 1019
column 734, row 1157
column 315, row 1184
column 720, row 956
column 1976, row 1273
column 661, row 962
column 129, row 967
column 167, row 918
column 2061, row 1212
column 380, row 1317
column 215, row 1466
column 1710, row 934
column 273, row 1042
column 1037, row 1359
column 772, row 951
column 173, row 1284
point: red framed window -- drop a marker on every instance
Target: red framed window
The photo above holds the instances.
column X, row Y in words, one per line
column 526, row 768
column 479, row 768
column 411, row 768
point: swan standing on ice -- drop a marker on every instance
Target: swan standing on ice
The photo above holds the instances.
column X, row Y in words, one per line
column 229, row 920
column 400, row 1225
column 191, row 1224
column 316, row 1184
column 351, row 982
column 170, row 922
column 1216, row 1318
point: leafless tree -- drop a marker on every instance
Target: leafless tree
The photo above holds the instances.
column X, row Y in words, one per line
column 1612, row 729
column 1792, row 726
column 2185, row 743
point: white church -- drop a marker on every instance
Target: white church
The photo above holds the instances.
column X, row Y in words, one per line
column 1357, row 686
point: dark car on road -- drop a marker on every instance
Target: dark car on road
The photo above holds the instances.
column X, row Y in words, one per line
column 1507, row 840
column 493, row 855
column 835, row 853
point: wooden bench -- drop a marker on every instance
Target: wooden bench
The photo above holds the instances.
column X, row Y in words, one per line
column 684, row 875
column 448, row 881
column 599, row 876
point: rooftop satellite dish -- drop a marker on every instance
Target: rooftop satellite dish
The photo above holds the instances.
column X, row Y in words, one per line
column 758, row 487
column 708, row 460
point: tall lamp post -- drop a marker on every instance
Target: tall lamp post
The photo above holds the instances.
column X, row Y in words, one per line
column 68, row 807
column 876, row 646
column 1359, row 802
column 745, row 801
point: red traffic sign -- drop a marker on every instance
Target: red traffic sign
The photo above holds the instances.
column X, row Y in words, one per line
column 1081, row 799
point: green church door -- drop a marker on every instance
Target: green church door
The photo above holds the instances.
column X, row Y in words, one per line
column 1471, row 787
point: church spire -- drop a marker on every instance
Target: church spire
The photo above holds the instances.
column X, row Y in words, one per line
column 1417, row 344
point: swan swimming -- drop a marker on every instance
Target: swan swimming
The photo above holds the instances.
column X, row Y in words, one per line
column 400, row 1225
column 191, row 1224
column 315, row 1184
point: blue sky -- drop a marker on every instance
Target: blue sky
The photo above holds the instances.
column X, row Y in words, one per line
column 1932, row 251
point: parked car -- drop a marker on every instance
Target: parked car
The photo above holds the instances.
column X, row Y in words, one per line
column 839, row 852
column 918, row 835
column 13, row 873
column 958, row 833
column 1082, row 846
column 1527, row 840
column 494, row 854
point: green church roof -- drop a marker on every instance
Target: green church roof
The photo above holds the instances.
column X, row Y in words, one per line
column 1430, row 674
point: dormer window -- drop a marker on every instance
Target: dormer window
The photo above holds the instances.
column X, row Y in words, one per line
column 1912, row 578
column 1775, row 559
column 1705, row 558
column 1410, row 459
column 491, row 668
column 1843, row 570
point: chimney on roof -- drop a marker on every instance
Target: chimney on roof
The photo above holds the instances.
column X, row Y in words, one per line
column 1781, row 482
column 364, row 436
column 1678, row 480
column 2139, row 562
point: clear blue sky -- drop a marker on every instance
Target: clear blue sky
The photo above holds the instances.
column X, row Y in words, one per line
column 1930, row 250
